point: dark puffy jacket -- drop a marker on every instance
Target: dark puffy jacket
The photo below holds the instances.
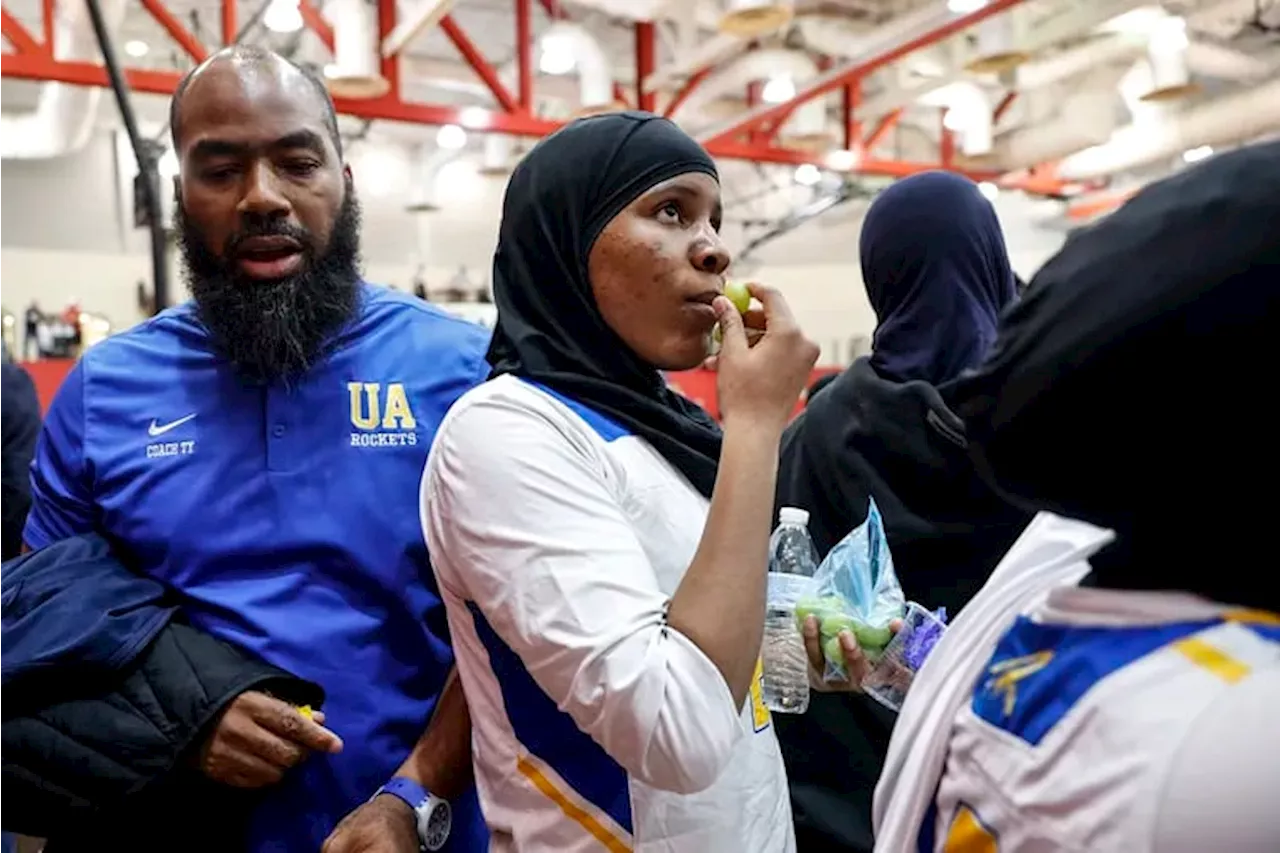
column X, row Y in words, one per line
column 106, row 695
column 867, row 437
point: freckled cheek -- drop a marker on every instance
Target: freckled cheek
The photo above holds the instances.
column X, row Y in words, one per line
column 629, row 288
column 666, row 302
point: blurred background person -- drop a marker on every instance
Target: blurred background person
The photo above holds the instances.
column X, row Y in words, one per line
column 71, row 318
column 32, row 319
column 20, row 412
column 937, row 275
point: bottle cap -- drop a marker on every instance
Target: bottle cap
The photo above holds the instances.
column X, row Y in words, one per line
column 793, row 515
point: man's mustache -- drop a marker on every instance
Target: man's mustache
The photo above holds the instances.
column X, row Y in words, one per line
column 278, row 229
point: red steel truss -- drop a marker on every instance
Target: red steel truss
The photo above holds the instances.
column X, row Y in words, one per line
column 855, row 69
column 750, row 137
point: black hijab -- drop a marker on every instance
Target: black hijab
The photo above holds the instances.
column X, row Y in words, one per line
column 549, row 330
column 1130, row 387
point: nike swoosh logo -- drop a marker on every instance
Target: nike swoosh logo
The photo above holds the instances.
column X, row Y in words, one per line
column 160, row 429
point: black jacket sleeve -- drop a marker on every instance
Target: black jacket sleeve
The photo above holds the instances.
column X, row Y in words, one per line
column 20, row 415
column 79, row 761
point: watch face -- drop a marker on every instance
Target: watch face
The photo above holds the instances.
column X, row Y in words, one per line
column 434, row 822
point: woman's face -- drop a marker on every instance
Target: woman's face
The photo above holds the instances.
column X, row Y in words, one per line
column 657, row 266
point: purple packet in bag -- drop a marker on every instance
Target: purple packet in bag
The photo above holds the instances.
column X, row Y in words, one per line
column 922, row 640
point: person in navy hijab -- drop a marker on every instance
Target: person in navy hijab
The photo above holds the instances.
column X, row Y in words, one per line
column 938, row 275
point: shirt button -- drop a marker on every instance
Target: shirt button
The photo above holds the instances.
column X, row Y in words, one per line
column 278, row 430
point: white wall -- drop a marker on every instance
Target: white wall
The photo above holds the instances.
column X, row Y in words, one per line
column 67, row 233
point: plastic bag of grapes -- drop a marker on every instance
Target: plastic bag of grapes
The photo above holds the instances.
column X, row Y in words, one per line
column 856, row 590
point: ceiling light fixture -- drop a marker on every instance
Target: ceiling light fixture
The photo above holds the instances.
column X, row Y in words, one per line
column 807, row 175
column 556, row 56
column 778, row 89
column 283, row 16
column 843, row 159
column 451, row 136
column 1195, row 155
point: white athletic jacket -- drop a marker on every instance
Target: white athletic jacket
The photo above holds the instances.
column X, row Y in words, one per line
column 1052, row 718
column 558, row 539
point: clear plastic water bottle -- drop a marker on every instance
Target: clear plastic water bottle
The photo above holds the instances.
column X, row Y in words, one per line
column 792, row 563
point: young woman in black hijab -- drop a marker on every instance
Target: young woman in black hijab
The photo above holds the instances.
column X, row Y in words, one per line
column 937, row 274
column 600, row 546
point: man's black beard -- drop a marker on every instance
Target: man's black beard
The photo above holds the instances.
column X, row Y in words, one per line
column 278, row 329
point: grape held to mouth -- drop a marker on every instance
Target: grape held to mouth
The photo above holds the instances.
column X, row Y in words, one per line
column 737, row 293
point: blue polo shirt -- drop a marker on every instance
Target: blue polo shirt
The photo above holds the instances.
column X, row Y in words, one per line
column 286, row 517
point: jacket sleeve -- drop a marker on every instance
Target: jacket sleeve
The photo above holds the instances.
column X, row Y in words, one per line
column 90, row 750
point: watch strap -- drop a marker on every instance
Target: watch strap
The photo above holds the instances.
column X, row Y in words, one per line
column 432, row 815
column 413, row 794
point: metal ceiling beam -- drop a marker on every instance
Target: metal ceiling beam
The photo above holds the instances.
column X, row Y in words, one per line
column 850, row 96
column 1003, row 107
column 43, row 68
column 524, row 53
column 708, row 53
column 555, row 13
column 678, row 99
column 314, row 21
column 388, row 66
column 426, row 15
column 1069, row 20
column 228, row 23
column 180, row 34
column 646, row 62
column 33, row 60
column 17, row 35
column 484, row 68
column 950, row 24
column 881, row 130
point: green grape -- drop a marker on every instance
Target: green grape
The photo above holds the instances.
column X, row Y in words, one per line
column 833, row 651
column 807, row 607
column 872, row 639
column 834, row 623
column 738, row 294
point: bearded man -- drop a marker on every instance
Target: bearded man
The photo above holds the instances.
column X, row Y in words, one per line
column 249, row 450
